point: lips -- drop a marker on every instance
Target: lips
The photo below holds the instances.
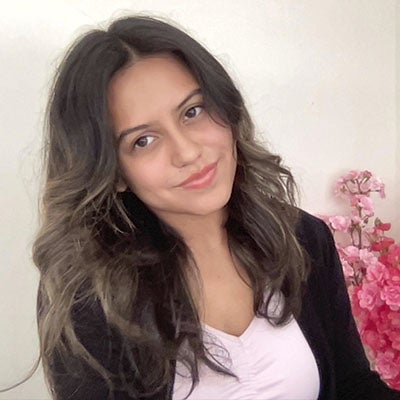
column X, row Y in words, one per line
column 200, row 179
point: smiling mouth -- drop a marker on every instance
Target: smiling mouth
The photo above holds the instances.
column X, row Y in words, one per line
column 201, row 179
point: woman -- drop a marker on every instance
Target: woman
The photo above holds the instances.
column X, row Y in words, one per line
column 174, row 263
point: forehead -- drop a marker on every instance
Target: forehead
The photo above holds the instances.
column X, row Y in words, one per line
column 148, row 84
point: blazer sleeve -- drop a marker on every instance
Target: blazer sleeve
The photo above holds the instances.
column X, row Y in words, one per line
column 354, row 378
column 71, row 377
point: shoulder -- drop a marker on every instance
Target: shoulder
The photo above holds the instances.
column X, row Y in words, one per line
column 318, row 243
column 314, row 235
column 309, row 226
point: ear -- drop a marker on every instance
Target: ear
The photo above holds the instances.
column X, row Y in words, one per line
column 235, row 149
column 121, row 185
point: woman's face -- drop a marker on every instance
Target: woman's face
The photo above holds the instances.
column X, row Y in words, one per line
column 172, row 154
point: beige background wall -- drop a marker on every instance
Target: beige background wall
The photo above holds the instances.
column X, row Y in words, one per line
column 320, row 78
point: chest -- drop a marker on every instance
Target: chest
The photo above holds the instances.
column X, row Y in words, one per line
column 227, row 304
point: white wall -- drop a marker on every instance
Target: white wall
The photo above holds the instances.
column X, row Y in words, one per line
column 319, row 77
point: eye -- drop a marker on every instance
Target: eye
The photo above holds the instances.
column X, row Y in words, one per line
column 193, row 112
column 144, row 141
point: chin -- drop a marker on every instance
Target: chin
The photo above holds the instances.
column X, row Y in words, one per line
column 210, row 206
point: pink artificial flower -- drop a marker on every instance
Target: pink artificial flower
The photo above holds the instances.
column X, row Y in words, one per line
column 365, row 241
column 382, row 244
column 391, row 296
column 347, row 269
column 374, row 340
column 383, row 226
column 361, row 313
column 339, row 223
column 393, row 257
column 363, row 202
column 369, row 296
column 394, row 383
column 394, row 318
column 366, row 202
column 366, row 182
column 379, row 228
column 363, row 322
column 394, row 275
column 346, row 183
column 394, row 337
column 386, row 365
column 393, row 334
column 376, row 272
column 352, row 253
column 356, row 220
column 362, row 316
column 379, row 318
column 367, row 174
column 367, row 257
column 370, row 230
column 373, row 278
column 376, row 185
column 340, row 187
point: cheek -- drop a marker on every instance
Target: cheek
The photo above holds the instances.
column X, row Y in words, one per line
column 227, row 144
column 220, row 138
column 143, row 177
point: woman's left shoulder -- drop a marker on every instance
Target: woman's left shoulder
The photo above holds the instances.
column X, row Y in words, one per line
column 313, row 234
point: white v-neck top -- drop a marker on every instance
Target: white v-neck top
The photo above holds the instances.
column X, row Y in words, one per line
column 271, row 363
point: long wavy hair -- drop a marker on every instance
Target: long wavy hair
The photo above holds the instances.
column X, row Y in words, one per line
column 98, row 246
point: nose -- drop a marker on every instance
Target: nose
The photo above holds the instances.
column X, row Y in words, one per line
column 184, row 148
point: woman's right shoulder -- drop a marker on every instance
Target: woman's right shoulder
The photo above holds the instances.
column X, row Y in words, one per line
column 72, row 375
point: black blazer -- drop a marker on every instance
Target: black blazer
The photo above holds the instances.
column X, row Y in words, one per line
column 325, row 320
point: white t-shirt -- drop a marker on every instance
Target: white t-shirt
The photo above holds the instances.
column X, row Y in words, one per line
column 270, row 362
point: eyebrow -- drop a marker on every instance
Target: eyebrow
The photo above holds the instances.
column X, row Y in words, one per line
column 128, row 131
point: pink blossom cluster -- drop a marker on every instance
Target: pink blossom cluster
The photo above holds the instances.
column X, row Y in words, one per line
column 359, row 183
column 371, row 265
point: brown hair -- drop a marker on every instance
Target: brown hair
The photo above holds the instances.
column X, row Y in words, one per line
column 98, row 245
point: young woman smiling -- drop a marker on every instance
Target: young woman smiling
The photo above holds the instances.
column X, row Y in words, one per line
column 174, row 263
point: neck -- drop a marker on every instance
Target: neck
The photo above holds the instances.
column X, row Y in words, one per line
column 202, row 234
